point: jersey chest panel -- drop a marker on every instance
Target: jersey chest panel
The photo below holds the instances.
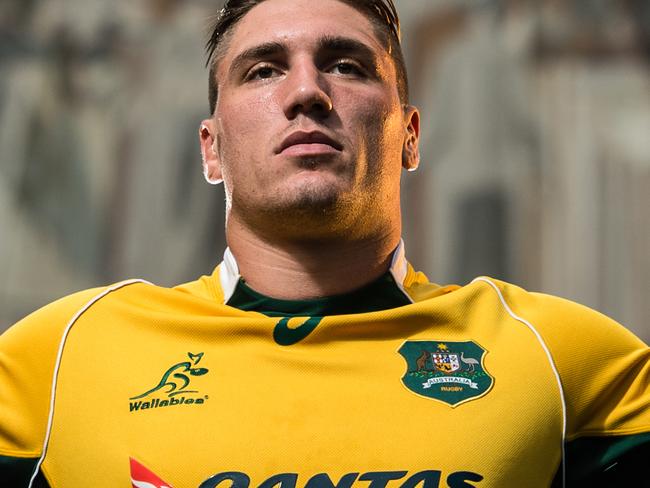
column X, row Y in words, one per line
column 192, row 396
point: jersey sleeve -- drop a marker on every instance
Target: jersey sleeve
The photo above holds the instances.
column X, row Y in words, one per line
column 28, row 352
column 604, row 370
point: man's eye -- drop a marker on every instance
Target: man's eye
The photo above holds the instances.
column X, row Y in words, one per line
column 261, row 73
column 345, row 68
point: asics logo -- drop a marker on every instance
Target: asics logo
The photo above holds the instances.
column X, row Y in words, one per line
column 286, row 336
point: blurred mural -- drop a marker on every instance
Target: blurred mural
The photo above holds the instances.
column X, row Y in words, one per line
column 535, row 147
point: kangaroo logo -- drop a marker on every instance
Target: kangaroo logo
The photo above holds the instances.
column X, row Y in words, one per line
column 176, row 379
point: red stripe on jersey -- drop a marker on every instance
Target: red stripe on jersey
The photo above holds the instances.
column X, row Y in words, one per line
column 141, row 477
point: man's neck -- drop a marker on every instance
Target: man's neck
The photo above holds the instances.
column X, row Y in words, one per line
column 300, row 270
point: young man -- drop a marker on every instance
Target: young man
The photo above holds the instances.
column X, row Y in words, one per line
column 314, row 355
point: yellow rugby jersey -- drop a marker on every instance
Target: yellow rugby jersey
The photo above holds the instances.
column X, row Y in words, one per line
column 401, row 384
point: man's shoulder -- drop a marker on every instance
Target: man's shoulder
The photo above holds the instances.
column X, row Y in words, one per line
column 555, row 317
column 48, row 321
column 33, row 348
column 43, row 328
column 519, row 303
column 28, row 356
column 51, row 320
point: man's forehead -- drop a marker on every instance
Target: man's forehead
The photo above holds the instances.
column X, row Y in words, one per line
column 290, row 23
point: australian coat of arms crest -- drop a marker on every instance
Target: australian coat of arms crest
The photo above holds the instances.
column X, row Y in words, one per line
column 451, row 372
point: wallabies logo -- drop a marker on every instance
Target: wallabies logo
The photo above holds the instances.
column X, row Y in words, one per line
column 175, row 381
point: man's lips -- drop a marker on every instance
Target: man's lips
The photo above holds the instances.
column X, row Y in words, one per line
column 302, row 143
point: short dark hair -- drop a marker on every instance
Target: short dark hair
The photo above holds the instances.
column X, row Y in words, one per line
column 382, row 14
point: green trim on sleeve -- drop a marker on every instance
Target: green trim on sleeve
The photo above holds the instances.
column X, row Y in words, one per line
column 15, row 471
column 608, row 461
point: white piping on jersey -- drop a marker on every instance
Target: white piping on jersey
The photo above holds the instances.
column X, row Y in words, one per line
column 57, row 365
column 229, row 272
column 550, row 360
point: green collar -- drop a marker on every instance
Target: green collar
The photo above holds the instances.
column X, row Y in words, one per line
column 381, row 294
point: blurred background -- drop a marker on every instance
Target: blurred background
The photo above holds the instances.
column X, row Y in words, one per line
column 535, row 147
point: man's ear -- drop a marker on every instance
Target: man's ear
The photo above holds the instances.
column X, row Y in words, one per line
column 411, row 149
column 209, row 152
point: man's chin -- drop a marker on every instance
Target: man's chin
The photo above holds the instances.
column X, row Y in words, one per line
column 307, row 213
column 317, row 199
column 317, row 192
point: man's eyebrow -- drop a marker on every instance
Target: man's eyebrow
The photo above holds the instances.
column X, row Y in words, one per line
column 256, row 52
column 347, row 45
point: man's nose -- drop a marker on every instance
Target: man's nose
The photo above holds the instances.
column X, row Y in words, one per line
column 306, row 92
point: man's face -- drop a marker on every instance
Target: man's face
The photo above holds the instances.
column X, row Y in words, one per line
column 308, row 125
